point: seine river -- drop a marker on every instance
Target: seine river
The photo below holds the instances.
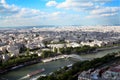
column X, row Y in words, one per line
column 21, row 73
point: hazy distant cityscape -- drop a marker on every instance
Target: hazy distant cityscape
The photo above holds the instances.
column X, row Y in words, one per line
column 70, row 36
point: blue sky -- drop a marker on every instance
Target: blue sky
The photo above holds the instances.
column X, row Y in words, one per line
column 59, row 12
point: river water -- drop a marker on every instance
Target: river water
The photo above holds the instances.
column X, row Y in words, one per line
column 21, row 73
column 99, row 54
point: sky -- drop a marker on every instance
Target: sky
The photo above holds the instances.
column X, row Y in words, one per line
column 59, row 12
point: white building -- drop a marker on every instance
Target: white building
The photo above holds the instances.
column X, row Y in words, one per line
column 35, row 45
column 56, row 46
column 93, row 43
column 73, row 44
column 14, row 50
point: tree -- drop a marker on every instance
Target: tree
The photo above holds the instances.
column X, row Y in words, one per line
column 46, row 54
column 22, row 49
column 28, row 51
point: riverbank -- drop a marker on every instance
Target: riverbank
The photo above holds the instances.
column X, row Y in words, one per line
column 99, row 54
column 77, row 68
column 34, row 62
column 49, row 67
column 3, row 71
column 107, row 48
column 51, row 59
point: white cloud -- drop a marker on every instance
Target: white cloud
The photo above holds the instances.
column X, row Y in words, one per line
column 12, row 15
column 51, row 3
column 107, row 15
column 7, row 9
column 93, row 8
column 71, row 4
column 26, row 16
column 104, row 12
column 56, row 13
column 74, row 4
column 12, row 10
column 78, row 5
column 3, row 1
column 102, row 1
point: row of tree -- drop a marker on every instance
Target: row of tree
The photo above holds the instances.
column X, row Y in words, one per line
column 46, row 54
column 14, row 61
column 77, row 50
column 68, row 50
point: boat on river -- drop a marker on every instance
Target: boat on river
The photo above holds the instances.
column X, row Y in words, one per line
column 35, row 72
column 15, row 67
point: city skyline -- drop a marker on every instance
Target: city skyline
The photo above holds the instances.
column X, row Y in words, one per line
column 59, row 12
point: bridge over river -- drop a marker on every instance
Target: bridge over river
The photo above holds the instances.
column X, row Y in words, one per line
column 77, row 57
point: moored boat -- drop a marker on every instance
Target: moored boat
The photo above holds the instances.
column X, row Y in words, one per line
column 36, row 72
